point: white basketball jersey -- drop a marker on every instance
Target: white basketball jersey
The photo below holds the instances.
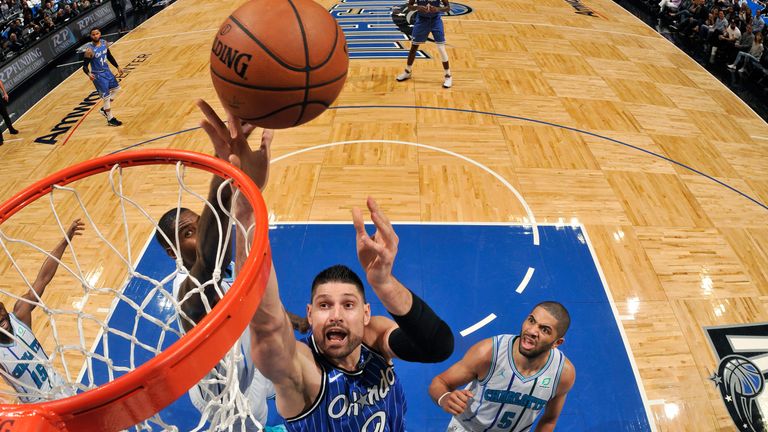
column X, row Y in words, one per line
column 505, row 400
column 252, row 383
column 23, row 365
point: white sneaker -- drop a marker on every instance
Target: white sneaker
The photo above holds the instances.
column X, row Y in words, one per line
column 731, row 67
column 448, row 82
column 404, row 76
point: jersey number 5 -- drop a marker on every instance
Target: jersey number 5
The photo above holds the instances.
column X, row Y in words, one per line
column 506, row 420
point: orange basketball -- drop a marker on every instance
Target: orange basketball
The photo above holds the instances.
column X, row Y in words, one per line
column 279, row 63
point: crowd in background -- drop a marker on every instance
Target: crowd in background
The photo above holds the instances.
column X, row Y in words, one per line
column 720, row 33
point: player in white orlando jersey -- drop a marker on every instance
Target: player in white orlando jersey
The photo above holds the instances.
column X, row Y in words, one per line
column 23, row 362
column 512, row 378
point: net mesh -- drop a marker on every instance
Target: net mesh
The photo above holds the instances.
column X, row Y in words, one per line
column 110, row 308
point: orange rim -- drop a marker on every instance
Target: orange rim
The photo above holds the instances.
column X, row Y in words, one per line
column 141, row 393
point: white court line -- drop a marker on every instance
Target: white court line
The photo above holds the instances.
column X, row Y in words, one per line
column 531, row 218
column 478, row 325
column 12, row 140
column 167, row 36
column 526, row 279
column 627, row 347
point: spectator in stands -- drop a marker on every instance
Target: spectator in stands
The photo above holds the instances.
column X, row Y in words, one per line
column 726, row 41
column 85, row 4
column 15, row 28
column 48, row 25
column 59, row 19
column 119, row 7
column 745, row 13
column 48, row 10
column 745, row 41
column 750, row 58
column 14, row 44
column 757, row 22
column 674, row 5
column 691, row 17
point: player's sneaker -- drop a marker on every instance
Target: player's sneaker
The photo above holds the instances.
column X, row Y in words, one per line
column 404, row 76
column 448, row 82
column 13, row 131
column 114, row 122
column 104, row 113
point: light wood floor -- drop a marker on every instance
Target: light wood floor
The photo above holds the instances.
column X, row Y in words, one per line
column 692, row 252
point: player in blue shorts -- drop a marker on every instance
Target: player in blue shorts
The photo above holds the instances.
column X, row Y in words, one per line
column 428, row 20
column 96, row 56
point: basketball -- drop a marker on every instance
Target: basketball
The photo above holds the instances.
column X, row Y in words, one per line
column 279, row 63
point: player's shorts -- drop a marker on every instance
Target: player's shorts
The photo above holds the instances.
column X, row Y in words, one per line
column 424, row 25
column 105, row 82
column 257, row 393
column 455, row 426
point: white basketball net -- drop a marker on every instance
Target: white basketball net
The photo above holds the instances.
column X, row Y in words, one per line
column 99, row 317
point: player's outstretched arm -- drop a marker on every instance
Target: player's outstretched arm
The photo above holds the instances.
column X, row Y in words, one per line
column 555, row 405
column 417, row 334
column 445, row 388
column 274, row 349
column 24, row 307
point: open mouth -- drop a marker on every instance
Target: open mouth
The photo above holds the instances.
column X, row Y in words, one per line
column 527, row 342
column 336, row 336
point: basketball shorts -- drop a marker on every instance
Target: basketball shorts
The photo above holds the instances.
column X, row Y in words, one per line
column 424, row 25
column 104, row 82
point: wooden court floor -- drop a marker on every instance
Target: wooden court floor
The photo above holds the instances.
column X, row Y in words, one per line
column 604, row 123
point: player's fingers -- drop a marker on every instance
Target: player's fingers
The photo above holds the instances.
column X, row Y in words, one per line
column 234, row 160
column 210, row 114
column 248, row 128
column 461, row 396
column 235, row 126
column 357, row 221
column 220, row 145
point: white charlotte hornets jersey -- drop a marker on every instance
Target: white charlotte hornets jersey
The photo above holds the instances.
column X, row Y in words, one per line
column 505, row 400
column 23, row 364
column 252, row 383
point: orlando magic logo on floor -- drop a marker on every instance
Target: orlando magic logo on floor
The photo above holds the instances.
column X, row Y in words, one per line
column 740, row 375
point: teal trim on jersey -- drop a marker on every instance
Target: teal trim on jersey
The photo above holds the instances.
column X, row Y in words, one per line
column 514, row 367
column 557, row 376
column 492, row 369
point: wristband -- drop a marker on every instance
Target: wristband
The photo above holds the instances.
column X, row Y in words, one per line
column 440, row 399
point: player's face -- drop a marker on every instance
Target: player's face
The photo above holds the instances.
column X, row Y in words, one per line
column 187, row 230
column 5, row 321
column 338, row 316
column 539, row 334
column 96, row 35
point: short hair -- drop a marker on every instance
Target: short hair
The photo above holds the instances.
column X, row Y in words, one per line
column 560, row 313
column 338, row 273
column 167, row 225
column 94, row 28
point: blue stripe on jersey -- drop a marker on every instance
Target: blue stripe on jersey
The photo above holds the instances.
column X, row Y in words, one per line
column 501, row 406
column 520, row 416
column 492, row 369
column 369, row 398
column 557, row 376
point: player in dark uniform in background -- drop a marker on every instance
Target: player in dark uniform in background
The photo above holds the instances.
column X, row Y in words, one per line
column 428, row 20
column 4, row 113
column 96, row 56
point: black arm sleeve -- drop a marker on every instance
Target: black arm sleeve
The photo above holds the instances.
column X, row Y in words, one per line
column 422, row 336
column 86, row 61
column 112, row 59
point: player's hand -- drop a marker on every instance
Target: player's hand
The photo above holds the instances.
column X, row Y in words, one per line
column 119, row 71
column 75, row 229
column 230, row 142
column 423, row 9
column 376, row 253
column 5, row 97
column 456, row 402
column 92, row 76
